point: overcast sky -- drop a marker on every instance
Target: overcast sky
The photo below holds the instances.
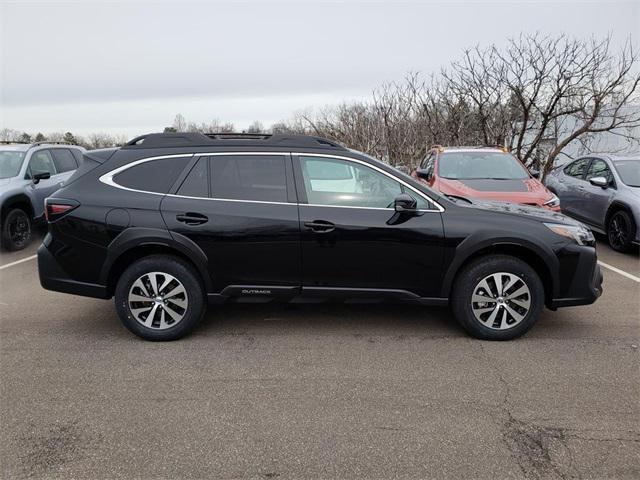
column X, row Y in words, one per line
column 129, row 67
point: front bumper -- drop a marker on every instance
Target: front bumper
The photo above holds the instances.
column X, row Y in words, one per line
column 585, row 285
column 53, row 277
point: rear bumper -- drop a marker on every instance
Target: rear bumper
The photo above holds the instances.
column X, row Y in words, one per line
column 53, row 277
column 586, row 286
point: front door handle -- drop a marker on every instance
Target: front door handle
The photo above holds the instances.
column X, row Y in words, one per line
column 320, row 226
column 191, row 218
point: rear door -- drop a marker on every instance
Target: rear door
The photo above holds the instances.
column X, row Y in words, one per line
column 353, row 242
column 597, row 199
column 240, row 208
column 571, row 186
column 65, row 163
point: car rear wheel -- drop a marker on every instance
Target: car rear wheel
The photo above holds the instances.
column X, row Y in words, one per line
column 621, row 231
column 497, row 298
column 160, row 298
column 16, row 230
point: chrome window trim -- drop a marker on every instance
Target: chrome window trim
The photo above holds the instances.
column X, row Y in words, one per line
column 107, row 179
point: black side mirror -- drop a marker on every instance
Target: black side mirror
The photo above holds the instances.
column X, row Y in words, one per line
column 422, row 173
column 405, row 203
column 535, row 173
column 41, row 176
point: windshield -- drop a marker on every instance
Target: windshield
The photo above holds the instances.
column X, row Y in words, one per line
column 480, row 165
column 10, row 163
column 629, row 171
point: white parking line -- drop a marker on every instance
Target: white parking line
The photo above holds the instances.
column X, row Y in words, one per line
column 621, row 272
column 2, row 267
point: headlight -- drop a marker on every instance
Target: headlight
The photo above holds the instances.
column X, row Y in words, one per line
column 553, row 202
column 578, row 233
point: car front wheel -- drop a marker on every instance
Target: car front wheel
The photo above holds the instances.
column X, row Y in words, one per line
column 497, row 297
column 621, row 231
column 160, row 298
column 16, row 230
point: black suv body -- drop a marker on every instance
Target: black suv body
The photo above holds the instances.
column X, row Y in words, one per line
column 171, row 222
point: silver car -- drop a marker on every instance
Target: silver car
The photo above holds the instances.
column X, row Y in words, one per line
column 29, row 173
column 603, row 191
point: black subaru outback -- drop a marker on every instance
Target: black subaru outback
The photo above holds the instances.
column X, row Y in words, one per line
column 171, row 222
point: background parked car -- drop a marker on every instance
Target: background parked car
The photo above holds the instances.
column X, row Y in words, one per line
column 485, row 173
column 602, row 191
column 29, row 173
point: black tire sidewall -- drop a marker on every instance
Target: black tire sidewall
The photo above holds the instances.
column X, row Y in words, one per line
column 632, row 231
column 184, row 273
column 7, row 243
column 468, row 279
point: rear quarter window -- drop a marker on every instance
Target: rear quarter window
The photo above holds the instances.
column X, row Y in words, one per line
column 152, row 176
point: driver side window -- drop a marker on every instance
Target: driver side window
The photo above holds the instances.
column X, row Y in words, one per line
column 335, row 182
column 41, row 162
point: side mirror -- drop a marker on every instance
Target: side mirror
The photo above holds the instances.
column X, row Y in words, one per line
column 422, row 173
column 40, row 176
column 601, row 182
column 535, row 173
column 405, row 203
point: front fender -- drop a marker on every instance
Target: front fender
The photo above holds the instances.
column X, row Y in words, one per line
column 486, row 241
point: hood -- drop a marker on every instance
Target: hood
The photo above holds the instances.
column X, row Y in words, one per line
column 4, row 181
column 536, row 213
column 528, row 190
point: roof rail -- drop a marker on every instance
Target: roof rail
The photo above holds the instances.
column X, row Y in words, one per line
column 194, row 139
column 11, row 142
column 50, row 142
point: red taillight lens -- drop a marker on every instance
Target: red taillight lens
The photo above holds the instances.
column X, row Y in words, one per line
column 54, row 208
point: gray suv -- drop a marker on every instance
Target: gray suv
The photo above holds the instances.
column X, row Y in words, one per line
column 602, row 191
column 29, row 173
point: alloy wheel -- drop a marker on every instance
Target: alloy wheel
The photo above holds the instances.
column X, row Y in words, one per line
column 158, row 300
column 19, row 229
column 618, row 231
column 501, row 300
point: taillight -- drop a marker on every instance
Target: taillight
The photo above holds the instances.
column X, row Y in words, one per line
column 56, row 208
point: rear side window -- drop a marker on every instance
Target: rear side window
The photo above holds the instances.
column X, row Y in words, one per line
column 249, row 177
column 577, row 168
column 197, row 182
column 152, row 176
column 64, row 160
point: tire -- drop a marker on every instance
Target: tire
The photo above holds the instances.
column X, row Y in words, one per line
column 483, row 274
column 184, row 302
column 621, row 230
column 16, row 230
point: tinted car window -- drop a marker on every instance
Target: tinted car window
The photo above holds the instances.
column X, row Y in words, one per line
column 577, row 168
column 41, row 162
column 197, row 182
column 249, row 177
column 334, row 182
column 599, row 168
column 63, row 160
column 152, row 176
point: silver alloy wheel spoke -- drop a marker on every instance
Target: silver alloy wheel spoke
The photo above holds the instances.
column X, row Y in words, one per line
column 154, row 309
column 496, row 308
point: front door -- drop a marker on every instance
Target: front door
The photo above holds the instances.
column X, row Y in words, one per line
column 241, row 210
column 353, row 242
column 42, row 162
column 597, row 199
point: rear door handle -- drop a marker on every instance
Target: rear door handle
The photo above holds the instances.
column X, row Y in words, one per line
column 191, row 218
column 320, row 226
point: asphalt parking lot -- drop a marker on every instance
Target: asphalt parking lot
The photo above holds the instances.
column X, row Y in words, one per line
column 325, row 390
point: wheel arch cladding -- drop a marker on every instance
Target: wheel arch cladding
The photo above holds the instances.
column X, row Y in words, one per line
column 524, row 251
column 135, row 243
column 616, row 206
column 19, row 200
